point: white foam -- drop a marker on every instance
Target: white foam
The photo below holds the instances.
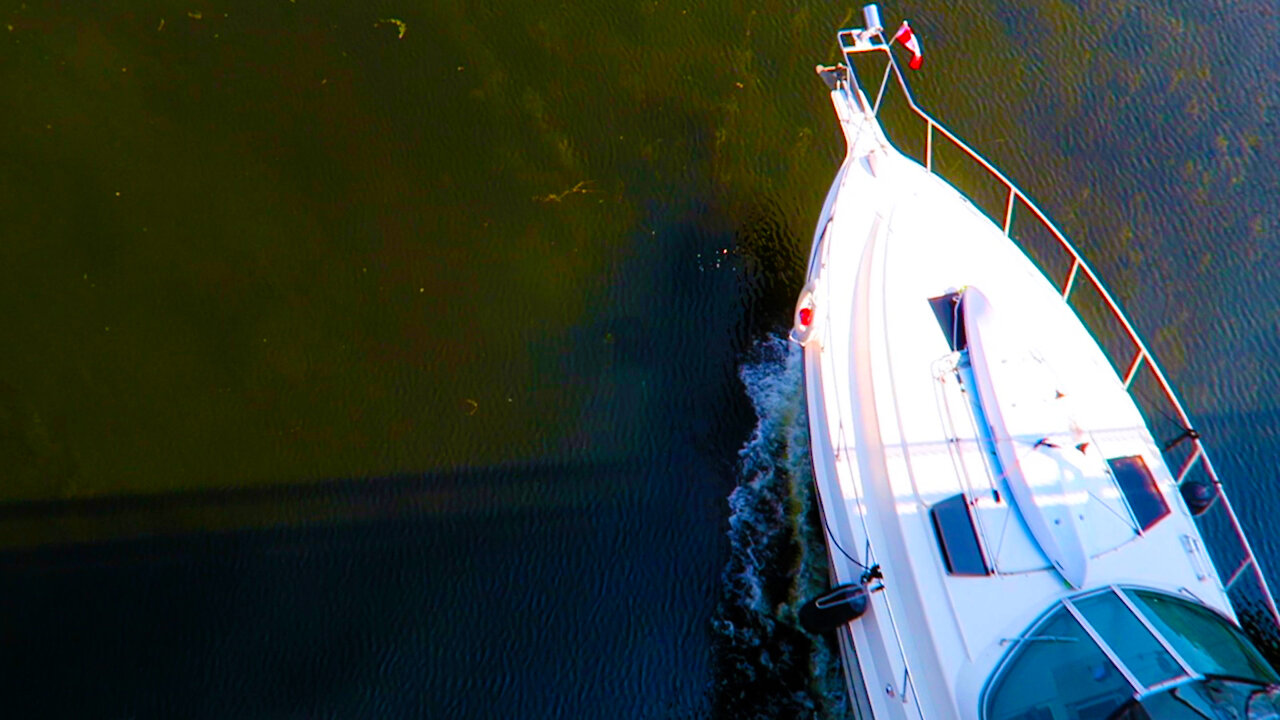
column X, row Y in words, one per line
column 777, row 555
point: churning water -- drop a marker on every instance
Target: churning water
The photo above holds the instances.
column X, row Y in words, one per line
column 767, row 665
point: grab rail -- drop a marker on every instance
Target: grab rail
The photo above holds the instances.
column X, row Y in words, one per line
column 853, row 42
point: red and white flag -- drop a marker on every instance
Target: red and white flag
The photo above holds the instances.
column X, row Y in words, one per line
column 912, row 44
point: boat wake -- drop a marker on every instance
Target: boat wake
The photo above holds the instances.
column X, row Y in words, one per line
column 767, row 666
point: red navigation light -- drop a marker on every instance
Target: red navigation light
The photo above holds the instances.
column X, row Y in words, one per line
column 806, row 316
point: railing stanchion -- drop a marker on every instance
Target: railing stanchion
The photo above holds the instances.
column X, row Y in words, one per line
column 884, row 83
column 1236, row 575
column 928, row 145
column 1008, row 210
column 1133, row 368
column 1189, row 463
column 1071, row 279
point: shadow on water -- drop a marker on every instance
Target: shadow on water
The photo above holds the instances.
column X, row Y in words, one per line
column 460, row 594
column 493, row 492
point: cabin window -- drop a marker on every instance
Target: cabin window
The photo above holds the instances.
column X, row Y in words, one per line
column 957, row 537
column 1140, row 490
column 950, row 313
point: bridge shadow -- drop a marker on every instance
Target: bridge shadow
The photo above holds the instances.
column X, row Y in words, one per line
column 554, row 588
column 492, row 491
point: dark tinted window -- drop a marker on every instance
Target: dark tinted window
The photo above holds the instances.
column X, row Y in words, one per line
column 1139, row 489
column 1056, row 671
column 1206, row 640
column 950, row 314
column 957, row 537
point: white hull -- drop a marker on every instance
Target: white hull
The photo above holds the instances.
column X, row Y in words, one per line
column 1021, row 424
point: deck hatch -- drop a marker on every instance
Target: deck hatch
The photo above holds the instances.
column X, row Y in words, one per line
column 957, row 538
column 1140, row 490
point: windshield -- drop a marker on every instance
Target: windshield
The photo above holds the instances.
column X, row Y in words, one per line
column 1214, row 698
column 1208, row 643
column 1058, row 671
column 1131, row 654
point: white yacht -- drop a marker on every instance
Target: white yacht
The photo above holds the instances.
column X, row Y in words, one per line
column 1008, row 540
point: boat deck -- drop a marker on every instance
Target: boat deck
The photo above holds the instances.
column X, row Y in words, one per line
column 896, row 429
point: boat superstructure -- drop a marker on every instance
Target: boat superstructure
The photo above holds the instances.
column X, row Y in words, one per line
column 1009, row 539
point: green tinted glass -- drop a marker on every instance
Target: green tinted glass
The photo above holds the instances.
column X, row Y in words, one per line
column 1058, row 671
column 1207, row 641
column 1137, row 648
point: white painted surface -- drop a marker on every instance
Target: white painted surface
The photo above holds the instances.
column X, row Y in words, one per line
column 893, row 431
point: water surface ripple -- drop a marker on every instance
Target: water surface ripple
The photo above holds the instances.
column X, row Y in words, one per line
column 355, row 374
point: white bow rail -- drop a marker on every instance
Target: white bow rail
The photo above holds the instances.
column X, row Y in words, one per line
column 853, row 42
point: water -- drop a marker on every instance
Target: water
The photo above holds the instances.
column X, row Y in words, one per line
column 767, row 665
column 326, row 394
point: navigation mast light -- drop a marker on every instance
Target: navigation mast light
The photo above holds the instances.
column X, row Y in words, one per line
column 871, row 15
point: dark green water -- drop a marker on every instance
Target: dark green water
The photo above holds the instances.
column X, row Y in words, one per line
column 279, row 243
column 349, row 373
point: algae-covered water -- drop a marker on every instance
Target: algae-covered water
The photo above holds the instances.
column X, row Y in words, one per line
column 402, row 358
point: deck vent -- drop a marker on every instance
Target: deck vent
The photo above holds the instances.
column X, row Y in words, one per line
column 950, row 313
column 1140, row 490
column 957, row 537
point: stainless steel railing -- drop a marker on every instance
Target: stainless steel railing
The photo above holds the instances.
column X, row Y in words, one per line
column 854, row 42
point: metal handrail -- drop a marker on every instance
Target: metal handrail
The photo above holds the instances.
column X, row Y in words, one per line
column 853, row 42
